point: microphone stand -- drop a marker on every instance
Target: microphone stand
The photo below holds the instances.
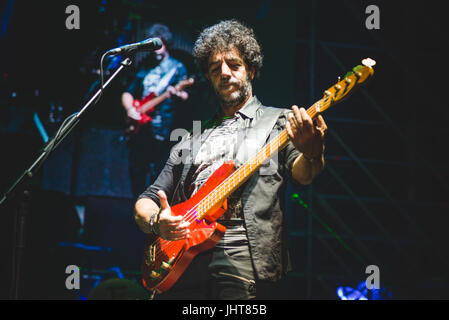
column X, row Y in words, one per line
column 23, row 208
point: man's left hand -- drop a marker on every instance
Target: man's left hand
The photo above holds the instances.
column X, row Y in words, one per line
column 173, row 92
column 305, row 136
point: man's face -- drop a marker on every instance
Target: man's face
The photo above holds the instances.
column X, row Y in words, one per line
column 230, row 78
column 161, row 53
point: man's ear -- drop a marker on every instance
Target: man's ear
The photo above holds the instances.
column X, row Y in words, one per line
column 253, row 73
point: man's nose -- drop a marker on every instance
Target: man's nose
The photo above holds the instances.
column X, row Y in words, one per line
column 225, row 70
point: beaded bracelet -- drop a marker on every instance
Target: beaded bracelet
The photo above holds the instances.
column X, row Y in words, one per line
column 153, row 226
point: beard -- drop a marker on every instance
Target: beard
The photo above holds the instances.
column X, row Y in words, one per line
column 236, row 97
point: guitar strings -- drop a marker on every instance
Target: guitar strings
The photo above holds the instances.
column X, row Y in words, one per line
column 274, row 143
column 257, row 157
column 209, row 199
column 191, row 215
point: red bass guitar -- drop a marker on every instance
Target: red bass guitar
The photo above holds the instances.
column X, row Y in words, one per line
column 147, row 106
column 164, row 261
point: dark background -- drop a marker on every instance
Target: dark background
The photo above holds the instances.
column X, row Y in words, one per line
column 382, row 199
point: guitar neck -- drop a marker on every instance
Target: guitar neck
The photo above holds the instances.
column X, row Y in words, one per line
column 148, row 106
column 234, row 181
column 154, row 102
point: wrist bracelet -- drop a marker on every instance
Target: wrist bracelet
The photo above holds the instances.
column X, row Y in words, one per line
column 152, row 222
column 156, row 225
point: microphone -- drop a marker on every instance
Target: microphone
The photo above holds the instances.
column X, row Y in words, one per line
column 150, row 44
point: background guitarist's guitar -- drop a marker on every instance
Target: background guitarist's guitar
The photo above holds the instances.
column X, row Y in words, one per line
column 164, row 261
column 147, row 106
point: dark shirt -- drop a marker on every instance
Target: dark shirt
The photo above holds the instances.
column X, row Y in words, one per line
column 156, row 80
column 261, row 197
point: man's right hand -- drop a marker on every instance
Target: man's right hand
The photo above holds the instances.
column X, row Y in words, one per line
column 171, row 227
column 127, row 103
column 133, row 113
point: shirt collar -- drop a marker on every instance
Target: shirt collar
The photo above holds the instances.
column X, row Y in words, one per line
column 250, row 108
column 247, row 111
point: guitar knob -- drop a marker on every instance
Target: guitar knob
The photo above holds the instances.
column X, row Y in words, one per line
column 154, row 275
column 165, row 265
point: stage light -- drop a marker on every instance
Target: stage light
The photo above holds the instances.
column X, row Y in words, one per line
column 296, row 197
column 362, row 293
column 348, row 293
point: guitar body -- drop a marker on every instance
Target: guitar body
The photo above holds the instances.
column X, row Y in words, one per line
column 147, row 106
column 133, row 126
column 139, row 103
column 164, row 261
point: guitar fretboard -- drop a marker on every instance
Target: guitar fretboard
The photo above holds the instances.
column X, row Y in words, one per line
column 236, row 179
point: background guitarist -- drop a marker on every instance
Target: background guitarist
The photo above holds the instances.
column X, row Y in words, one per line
column 157, row 74
column 252, row 255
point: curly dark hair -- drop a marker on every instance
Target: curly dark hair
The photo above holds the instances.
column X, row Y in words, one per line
column 161, row 31
column 225, row 36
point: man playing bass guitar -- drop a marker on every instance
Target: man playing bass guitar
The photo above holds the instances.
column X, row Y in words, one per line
column 252, row 254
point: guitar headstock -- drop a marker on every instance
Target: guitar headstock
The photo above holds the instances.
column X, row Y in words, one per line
column 185, row 83
column 343, row 88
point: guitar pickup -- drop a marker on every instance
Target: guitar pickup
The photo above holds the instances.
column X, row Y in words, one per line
column 154, row 275
column 151, row 255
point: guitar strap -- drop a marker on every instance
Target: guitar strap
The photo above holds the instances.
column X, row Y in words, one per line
column 164, row 82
